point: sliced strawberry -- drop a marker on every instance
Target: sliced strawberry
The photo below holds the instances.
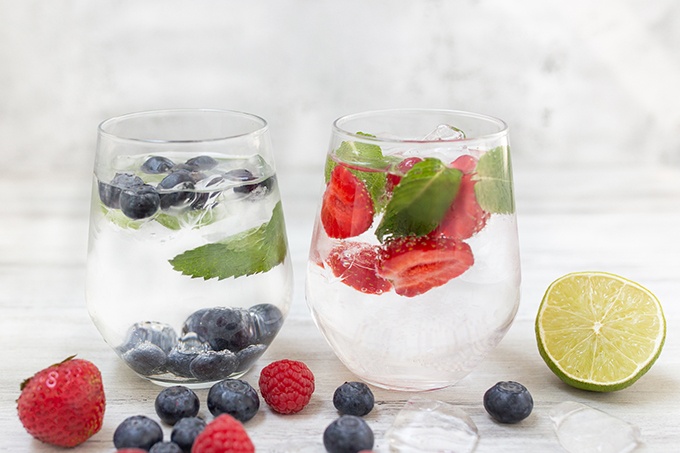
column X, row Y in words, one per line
column 347, row 208
column 415, row 265
column 404, row 166
column 465, row 163
column 355, row 263
column 465, row 217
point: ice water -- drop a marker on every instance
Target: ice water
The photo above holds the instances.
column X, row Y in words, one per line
column 181, row 245
column 410, row 288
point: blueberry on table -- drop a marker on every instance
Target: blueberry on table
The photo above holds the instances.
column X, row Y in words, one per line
column 234, row 397
column 166, row 447
column 353, row 398
column 201, row 163
column 139, row 202
column 508, row 402
column 155, row 165
column 176, row 402
column 109, row 194
column 137, row 431
column 185, row 432
column 348, row 433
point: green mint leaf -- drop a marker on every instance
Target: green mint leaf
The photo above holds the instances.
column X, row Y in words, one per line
column 251, row 252
column 494, row 182
column 117, row 217
column 359, row 156
column 420, row 201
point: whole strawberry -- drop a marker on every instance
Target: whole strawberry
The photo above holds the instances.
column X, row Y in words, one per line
column 63, row 404
column 223, row 434
column 286, row 385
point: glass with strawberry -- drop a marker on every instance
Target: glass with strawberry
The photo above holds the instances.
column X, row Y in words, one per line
column 414, row 271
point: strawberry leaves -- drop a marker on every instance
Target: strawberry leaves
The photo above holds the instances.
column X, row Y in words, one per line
column 420, row 201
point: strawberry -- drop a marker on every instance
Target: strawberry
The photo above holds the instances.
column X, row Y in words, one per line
column 403, row 167
column 347, row 208
column 63, row 404
column 355, row 264
column 223, row 434
column 465, row 217
column 414, row 265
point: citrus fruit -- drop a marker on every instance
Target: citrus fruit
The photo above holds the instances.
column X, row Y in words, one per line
column 598, row 331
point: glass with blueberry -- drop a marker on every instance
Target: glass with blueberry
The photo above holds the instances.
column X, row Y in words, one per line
column 188, row 277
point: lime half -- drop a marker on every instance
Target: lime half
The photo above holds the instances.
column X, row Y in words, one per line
column 598, row 331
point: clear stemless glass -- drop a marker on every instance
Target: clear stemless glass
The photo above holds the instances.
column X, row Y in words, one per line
column 414, row 272
column 188, row 273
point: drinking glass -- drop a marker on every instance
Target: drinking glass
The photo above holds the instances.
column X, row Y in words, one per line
column 188, row 273
column 414, row 273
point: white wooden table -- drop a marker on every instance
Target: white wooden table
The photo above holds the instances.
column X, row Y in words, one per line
column 624, row 220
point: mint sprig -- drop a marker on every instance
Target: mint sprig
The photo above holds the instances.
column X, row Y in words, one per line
column 366, row 162
column 251, row 252
column 494, row 182
column 420, row 201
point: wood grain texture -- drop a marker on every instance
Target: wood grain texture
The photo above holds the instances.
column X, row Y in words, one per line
column 623, row 220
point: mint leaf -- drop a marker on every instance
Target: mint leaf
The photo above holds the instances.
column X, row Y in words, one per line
column 494, row 182
column 359, row 156
column 117, row 217
column 251, row 252
column 420, row 200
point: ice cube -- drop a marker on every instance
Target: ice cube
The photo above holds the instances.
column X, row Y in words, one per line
column 431, row 426
column 583, row 429
column 445, row 132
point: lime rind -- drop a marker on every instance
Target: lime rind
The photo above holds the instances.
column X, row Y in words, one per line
column 630, row 353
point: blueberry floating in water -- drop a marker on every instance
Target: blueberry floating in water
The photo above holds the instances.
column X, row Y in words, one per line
column 268, row 320
column 155, row 165
column 173, row 184
column 139, row 202
column 222, row 327
column 109, row 194
column 508, row 402
column 201, row 163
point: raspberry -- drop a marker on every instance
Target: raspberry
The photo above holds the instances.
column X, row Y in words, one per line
column 224, row 433
column 286, row 385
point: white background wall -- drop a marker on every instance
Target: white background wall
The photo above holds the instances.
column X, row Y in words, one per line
column 593, row 81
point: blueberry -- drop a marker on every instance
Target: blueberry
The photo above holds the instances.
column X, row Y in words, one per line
column 267, row 319
column 242, row 175
column 109, row 194
column 157, row 164
column 139, row 202
column 185, row 431
column 206, row 199
column 170, row 188
column 175, row 403
column 508, row 402
column 137, row 431
column 201, row 163
column 166, row 447
column 184, row 352
column 146, row 359
column 353, row 398
column 213, row 365
column 234, row 397
column 222, row 327
column 348, row 434
column 158, row 333
column 247, row 357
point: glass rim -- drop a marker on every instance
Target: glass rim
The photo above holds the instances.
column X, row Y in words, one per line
column 101, row 128
column 502, row 125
